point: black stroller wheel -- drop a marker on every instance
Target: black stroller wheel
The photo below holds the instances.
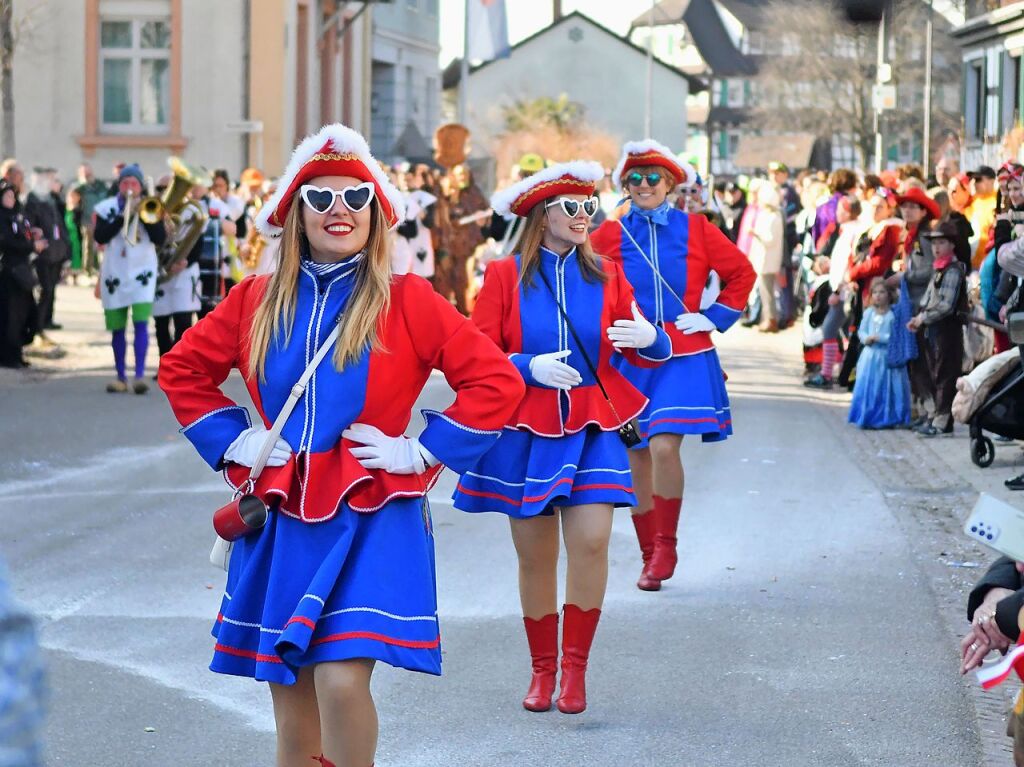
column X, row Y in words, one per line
column 983, row 452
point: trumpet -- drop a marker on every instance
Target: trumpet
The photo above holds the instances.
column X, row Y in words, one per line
column 148, row 210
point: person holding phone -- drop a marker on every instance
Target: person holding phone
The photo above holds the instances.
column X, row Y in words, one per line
column 993, row 608
column 342, row 574
column 561, row 314
column 667, row 256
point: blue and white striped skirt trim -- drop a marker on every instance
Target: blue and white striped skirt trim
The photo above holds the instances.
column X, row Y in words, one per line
column 524, row 475
column 301, row 593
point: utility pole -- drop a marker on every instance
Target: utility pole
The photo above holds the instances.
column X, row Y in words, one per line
column 649, row 93
column 926, row 151
column 880, row 78
column 464, row 65
column 556, row 10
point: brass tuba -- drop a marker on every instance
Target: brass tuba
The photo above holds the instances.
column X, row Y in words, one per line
column 187, row 219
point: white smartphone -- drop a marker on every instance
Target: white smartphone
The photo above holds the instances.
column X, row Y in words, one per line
column 998, row 525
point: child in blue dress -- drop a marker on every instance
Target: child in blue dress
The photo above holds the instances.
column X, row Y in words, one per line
column 881, row 394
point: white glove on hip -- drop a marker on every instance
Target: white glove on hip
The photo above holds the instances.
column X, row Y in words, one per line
column 711, row 290
column 694, row 322
column 395, row 455
column 636, row 333
column 247, row 445
column 547, row 370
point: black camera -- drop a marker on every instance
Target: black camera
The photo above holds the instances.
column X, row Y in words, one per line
column 630, row 434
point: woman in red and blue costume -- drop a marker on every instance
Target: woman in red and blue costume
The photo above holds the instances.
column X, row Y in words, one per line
column 668, row 256
column 342, row 575
column 560, row 457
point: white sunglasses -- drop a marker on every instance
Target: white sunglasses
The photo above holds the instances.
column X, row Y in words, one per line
column 571, row 208
column 321, row 199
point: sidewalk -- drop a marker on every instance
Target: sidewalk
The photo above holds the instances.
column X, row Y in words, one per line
column 931, row 485
column 83, row 345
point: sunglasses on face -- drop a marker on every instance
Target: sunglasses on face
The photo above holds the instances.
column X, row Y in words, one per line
column 572, row 208
column 691, row 191
column 636, row 179
column 321, row 199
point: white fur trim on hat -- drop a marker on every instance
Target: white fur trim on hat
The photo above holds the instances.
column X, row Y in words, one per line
column 584, row 170
column 344, row 140
column 650, row 145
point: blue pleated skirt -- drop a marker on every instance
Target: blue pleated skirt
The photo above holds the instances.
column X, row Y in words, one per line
column 524, row 475
column 686, row 396
column 356, row 586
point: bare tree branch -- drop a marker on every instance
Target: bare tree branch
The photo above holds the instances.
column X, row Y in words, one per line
column 822, row 84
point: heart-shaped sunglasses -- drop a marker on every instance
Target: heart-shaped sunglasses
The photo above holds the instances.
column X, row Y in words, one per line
column 321, row 199
column 572, row 207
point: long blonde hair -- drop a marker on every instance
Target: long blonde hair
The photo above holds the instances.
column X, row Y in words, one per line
column 371, row 297
column 529, row 250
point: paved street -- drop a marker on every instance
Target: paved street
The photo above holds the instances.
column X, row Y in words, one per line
column 808, row 624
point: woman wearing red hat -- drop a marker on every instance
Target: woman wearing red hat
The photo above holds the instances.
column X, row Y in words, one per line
column 314, row 599
column 918, row 211
column 668, row 255
column 562, row 315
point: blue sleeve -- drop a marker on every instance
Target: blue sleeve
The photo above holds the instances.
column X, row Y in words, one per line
column 660, row 350
column 522, row 364
column 865, row 323
column 457, row 446
column 723, row 316
column 213, row 434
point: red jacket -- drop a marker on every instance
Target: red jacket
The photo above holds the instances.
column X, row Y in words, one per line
column 683, row 252
column 885, row 248
column 524, row 323
column 420, row 332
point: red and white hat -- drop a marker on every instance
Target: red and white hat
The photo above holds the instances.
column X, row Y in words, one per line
column 576, row 177
column 641, row 154
column 334, row 150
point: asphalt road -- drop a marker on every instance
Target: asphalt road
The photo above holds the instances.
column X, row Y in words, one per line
column 797, row 631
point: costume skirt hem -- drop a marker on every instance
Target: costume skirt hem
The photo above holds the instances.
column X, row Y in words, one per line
column 524, row 475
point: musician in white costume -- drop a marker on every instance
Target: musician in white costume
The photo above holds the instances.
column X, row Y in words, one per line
column 128, row 274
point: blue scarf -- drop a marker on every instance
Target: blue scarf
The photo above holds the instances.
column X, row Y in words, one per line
column 658, row 216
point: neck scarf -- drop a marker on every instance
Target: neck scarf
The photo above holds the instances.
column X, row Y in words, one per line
column 657, row 215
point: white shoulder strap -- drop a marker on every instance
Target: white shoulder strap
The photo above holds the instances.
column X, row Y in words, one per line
column 297, row 391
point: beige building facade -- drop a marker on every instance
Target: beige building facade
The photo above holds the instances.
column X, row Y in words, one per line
column 229, row 83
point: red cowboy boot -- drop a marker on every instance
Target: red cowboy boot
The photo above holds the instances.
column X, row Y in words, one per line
column 542, row 636
column 324, row 761
column 646, row 527
column 663, row 561
column 577, row 636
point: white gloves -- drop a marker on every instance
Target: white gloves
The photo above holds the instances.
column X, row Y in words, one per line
column 247, row 445
column 694, row 322
column 711, row 290
column 548, row 371
column 395, row 455
column 636, row 333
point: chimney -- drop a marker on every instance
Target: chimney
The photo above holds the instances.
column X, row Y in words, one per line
column 556, row 10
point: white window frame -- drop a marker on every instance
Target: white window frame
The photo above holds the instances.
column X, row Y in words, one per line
column 135, row 55
column 735, row 96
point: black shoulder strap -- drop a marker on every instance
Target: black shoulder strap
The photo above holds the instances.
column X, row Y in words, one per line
column 579, row 343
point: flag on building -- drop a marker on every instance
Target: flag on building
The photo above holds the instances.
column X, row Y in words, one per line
column 486, row 30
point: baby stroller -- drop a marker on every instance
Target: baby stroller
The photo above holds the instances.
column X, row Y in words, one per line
column 998, row 394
